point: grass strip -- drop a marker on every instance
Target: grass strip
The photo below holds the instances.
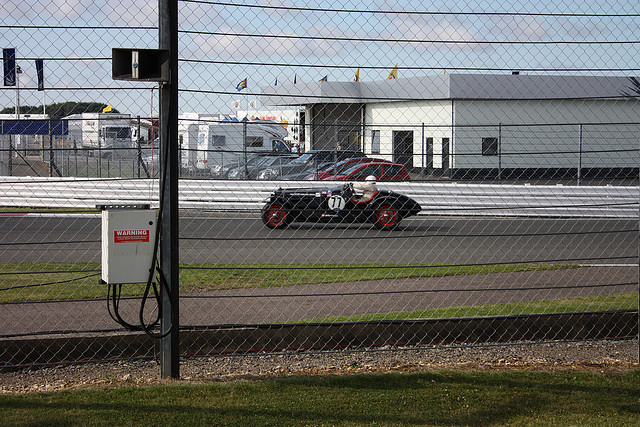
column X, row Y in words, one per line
column 41, row 281
column 619, row 301
column 444, row 397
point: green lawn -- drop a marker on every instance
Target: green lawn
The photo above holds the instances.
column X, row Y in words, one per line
column 516, row 398
column 620, row 301
column 40, row 281
column 62, row 281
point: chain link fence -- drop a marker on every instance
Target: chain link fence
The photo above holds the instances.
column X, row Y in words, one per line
column 503, row 142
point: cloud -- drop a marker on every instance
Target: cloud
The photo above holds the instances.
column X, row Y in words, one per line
column 229, row 45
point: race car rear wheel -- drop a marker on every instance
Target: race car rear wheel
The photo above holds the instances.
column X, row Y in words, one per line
column 275, row 216
column 386, row 217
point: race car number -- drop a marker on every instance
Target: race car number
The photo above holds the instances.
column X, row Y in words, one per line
column 336, row 203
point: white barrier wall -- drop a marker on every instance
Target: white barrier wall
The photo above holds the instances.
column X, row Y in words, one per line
column 435, row 198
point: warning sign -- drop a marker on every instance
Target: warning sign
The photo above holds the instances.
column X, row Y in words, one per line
column 125, row 236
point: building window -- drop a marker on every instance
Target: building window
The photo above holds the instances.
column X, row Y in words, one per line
column 217, row 140
column 254, row 141
column 490, row 146
column 375, row 142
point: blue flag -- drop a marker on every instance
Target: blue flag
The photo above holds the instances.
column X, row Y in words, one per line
column 40, row 71
column 242, row 85
column 324, row 79
column 9, row 65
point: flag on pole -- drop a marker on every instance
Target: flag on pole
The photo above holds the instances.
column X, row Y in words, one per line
column 107, row 109
column 242, row 85
column 357, row 77
column 295, row 78
column 276, row 82
column 235, row 105
column 40, row 72
column 324, row 79
column 9, row 65
column 253, row 104
column 394, row 73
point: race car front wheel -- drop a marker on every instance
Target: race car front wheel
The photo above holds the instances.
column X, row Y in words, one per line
column 386, row 217
column 275, row 216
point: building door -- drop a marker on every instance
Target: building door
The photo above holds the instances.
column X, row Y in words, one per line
column 445, row 155
column 429, row 154
column 403, row 147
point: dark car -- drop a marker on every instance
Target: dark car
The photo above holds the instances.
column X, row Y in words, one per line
column 252, row 168
column 312, row 160
column 330, row 172
column 384, row 209
column 235, row 167
column 382, row 172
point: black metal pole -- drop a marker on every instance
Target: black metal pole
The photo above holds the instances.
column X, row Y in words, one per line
column 499, row 151
column 169, row 323
column 139, row 148
column 10, row 156
column 580, row 157
column 50, row 150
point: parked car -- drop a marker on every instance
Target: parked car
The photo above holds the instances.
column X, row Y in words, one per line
column 383, row 171
column 346, row 203
column 253, row 168
column 312, row 160
column 334, row 170
column 237, row 164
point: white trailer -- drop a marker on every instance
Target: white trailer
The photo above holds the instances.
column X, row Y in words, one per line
column 106, row 132
column 209, row 141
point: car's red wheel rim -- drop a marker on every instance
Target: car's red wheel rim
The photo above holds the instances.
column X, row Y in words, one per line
column 386, row 216
column 275, row 215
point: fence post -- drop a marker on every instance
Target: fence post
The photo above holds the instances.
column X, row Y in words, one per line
column 50, row 151
column 10, row 156
column 169, row 323
column 580, row 154
column 499, row 151
column 140, row 148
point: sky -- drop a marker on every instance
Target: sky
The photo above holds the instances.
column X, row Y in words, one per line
column 221, row 43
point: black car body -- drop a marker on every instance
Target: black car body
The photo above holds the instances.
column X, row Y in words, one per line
column 385, row 209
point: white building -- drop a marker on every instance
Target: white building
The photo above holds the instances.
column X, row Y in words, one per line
column 477, row 124
column 292, row 119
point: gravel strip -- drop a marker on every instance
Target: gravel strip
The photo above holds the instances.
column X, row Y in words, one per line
column 603, row 356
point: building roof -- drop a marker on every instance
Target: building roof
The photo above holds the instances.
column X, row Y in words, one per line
column 452, row 86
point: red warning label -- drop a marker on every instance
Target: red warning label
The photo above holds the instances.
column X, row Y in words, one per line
column 124, row 236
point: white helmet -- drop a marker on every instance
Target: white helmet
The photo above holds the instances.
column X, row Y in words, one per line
column 370, row 178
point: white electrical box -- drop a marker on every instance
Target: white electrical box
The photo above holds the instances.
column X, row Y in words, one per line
column 128, row 239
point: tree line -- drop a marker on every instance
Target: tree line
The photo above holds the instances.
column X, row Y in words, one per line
column 61, row 109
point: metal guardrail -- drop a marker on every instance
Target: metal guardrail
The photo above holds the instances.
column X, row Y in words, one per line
column 435, row 198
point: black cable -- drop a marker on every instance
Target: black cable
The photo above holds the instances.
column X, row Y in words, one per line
column 413, row 41
column 49, row 283
column 74, row 242
column 150, row 282
column 410, row 291
column 17, row 273
column 115, row 315
column 283, row 6
column 403, row 236
column 384, row 267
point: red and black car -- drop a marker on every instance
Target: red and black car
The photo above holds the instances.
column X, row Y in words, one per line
column 384, row 209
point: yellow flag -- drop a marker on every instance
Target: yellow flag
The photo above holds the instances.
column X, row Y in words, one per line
column 106, row 109
column 357, row 77
column 394, row 73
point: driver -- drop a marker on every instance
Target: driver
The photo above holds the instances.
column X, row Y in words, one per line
column 364, row 190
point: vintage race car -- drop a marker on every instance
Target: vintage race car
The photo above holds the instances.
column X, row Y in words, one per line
column 346, row 203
